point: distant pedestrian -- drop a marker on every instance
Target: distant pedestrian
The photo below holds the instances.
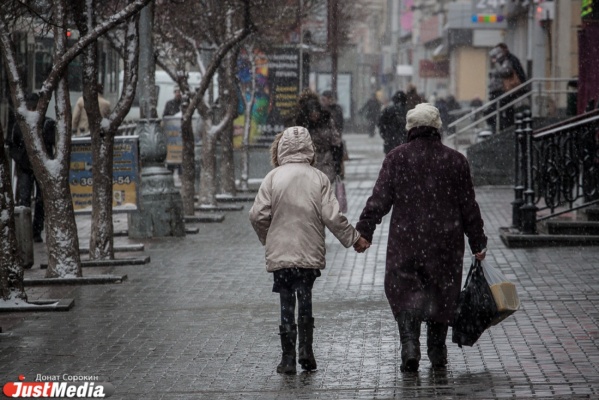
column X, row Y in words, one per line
column 80, row 123
column 392, row 124
column 326, row 138
column 173, row 106
column 329, row 102
column 26, row 181
column 371, row 111
column 293, row 206
column 512, row 75
column 413, row 97
column 429, row 188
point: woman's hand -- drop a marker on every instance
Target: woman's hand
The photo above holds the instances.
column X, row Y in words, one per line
column 481, row 255
column 361, row 245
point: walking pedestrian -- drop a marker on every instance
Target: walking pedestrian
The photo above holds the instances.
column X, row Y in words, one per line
column 414, row 98
column 429, row 188
column 329, row 103
column 26, row 181
column 325, row 136
column 371, row 111
column 392, row 124
column 293, row 206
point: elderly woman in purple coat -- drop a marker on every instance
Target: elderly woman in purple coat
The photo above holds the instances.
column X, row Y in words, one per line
column 430, row 190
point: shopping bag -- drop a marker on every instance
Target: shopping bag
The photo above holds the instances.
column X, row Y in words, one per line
column 503, row 291
column 511, row 82
column 475, row 310
column 340, row 193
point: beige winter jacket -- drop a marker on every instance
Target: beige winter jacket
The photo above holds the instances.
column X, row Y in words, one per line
column 80, row 124
column 294, row 204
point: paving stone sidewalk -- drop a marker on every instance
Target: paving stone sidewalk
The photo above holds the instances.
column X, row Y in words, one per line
column 200, row 321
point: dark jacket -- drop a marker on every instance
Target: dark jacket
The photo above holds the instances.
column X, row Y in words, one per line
column 429, row 187
column 392, row 126
column 172, row 107
column 16, row 145
column 337, row 114
column 371, row 110
column 325, row 136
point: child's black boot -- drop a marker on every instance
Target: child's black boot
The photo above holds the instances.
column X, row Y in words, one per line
column 288, row 335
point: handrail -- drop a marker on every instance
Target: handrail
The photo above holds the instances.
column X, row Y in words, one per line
column 497, row 110
column 570, row 123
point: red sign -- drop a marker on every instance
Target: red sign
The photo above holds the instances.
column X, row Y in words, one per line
column 433, row 69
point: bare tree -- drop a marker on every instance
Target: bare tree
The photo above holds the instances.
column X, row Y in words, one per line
column 52, row 174
column 248, row 96
column 186, row 47
column 102, row 134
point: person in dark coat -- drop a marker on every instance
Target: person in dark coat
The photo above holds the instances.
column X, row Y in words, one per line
column 173, row 106
column 509, row 65
column 430, row 190
column 371, row 111
column 328, row 147
column 329, row 102
column 392, row 124
column 25, row 178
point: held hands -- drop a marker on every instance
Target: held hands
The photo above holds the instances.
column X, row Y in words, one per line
column 361, row 245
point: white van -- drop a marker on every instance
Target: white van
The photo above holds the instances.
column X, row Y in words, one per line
column 165, row 87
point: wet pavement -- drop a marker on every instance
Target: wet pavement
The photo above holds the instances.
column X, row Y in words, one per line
column 200, row 321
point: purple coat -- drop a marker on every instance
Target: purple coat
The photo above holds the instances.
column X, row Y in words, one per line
column 429, row 187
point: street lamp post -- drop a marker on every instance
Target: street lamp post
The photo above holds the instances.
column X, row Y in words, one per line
column 160, row 210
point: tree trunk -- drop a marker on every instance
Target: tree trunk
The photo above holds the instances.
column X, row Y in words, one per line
column 101, row 242
column 227, row 165
column 207, row 175
column 11, row 269
column 188, row 165
column 62, row 240
column 247, row 122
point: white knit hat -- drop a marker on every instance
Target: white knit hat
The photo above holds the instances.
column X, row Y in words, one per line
column 424, row 114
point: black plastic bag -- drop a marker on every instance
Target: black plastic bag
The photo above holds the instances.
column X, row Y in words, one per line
column 476, row 308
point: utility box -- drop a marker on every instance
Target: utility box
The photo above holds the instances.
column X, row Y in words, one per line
column 24, row 234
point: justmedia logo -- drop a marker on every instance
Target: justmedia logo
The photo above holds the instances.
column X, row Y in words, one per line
column 77, row 387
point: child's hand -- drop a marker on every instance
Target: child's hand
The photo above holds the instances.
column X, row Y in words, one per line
column 361, row 245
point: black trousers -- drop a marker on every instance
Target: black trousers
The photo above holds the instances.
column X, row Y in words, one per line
column 26, row 182
column 292, row 283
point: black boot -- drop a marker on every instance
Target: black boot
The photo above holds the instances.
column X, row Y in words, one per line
column 437, row 350
column 306, row 337
column 409, row 334
column 288, row 334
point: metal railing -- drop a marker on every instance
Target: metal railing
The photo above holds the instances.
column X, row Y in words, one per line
column 556, row 169
column 546, row 97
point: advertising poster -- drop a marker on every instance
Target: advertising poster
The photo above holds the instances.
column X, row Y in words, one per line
column 126, row 178
column 174, row 139
column 277, row 91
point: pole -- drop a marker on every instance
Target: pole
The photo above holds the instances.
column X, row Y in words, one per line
column 529, row 209
column 531, row 25
column 518, row 187
column 160, row 211
column 301, row 46
column 333, row 42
